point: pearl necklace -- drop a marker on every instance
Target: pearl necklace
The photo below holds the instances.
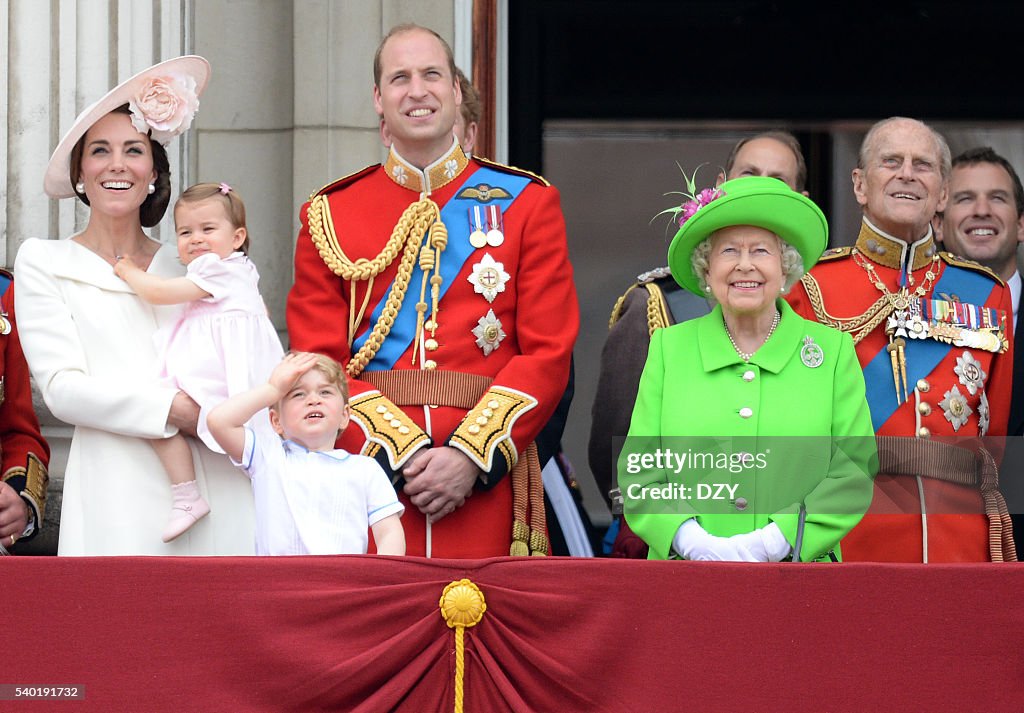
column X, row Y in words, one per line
column 746, row 356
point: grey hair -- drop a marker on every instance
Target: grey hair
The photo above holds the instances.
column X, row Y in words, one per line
column 941, row 147
column 792, row 264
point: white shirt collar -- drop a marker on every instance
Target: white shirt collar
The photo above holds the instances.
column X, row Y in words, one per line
column 1015, row 284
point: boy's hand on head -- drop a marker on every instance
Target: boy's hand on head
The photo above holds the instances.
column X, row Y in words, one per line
column 294, row 365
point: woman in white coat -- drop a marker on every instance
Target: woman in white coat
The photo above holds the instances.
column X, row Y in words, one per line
column 89, row 339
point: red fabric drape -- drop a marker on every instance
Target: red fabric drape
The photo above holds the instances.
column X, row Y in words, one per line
column 365, row 634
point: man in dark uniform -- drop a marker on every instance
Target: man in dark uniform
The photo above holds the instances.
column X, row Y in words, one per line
column 654, row 301
column 932, row 336
column 443, row 284
column 23, row 452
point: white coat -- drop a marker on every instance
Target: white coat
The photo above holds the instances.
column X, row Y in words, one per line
column 89, row 343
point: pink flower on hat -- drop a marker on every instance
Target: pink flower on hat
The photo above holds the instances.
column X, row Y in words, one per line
column 164, row 105
column 697, row 199
column 701, row 199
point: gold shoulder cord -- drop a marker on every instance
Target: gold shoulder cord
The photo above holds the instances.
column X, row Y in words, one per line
column 416, row 220
column 657, row 312
column 859, row 326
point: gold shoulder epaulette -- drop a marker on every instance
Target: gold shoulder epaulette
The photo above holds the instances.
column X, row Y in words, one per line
column 963, row 262
column 343, row 181
column 835, row 253
column 512, row 169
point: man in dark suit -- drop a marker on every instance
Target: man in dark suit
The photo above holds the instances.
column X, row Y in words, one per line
column 655, row 301
column 984, row 221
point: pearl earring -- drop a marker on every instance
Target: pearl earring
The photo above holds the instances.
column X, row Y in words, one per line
column 707, row 288
column 152, row 189
column 79, row 187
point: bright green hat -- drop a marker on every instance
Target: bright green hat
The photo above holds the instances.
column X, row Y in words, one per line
column 753, row 200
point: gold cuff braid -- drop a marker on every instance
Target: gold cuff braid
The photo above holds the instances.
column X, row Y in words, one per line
column 387, row 426
column 488, row 426
column 36, row 479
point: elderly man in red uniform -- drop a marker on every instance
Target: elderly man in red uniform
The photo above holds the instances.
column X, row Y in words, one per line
column 443, row 284
column 933, row 337
column 23, row 452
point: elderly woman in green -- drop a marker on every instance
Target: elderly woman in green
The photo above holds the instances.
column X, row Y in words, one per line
column 779, row 399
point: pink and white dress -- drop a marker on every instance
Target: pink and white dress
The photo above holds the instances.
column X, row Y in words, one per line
column 223, row 344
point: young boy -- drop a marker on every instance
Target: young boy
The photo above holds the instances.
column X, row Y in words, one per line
column 310, row 497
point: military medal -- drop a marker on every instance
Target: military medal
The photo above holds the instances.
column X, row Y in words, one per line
column 477, row 238
column 5, row 323
column 955, row 408
column 970, row 372
column 489, row 277
column 488, row 332
column 983, row 414
column 494, row 236
column 811, row 354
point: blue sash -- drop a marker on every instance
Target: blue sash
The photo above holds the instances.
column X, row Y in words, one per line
column 922, row 355
column 455, row 216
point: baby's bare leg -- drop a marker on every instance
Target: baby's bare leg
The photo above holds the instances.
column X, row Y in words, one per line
column 176, row 458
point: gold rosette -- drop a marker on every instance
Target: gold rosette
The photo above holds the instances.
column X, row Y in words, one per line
column 462, row 606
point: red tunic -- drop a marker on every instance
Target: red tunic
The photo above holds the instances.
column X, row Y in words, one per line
column 537, row 311
column 954, row 527
column 25, row 454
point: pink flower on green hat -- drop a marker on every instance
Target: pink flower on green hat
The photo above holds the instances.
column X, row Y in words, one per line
column 697, row 199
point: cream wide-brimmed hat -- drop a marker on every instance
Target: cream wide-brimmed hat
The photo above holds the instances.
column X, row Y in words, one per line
column 163, row 99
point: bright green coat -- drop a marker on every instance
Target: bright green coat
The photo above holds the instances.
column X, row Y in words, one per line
column 695, row 385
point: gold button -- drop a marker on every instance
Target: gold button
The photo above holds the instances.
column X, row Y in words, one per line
column 924, row 408
column 430, row 325
column 748, row 376
column 923, row 433
column 404, row 430
column 482, row 420
column 474, row 429
column 382, row 409
column 746, row 412
column 487, row 412
column 493, row 403
column 430, row 345
column 923, row 385
column 395, row 423
column 430, row 365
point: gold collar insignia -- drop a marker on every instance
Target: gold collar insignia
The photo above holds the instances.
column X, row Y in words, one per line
column 883, row 249
column 441, row 172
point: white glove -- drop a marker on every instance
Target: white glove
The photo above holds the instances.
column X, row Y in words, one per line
column 693, row 542
column 766, row 544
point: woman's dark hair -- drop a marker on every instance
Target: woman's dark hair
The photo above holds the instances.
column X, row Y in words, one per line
column 155, row 205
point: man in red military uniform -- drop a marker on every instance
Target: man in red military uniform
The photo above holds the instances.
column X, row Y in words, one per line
column 443, row 284
column 25, row 454
column 933, row 335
